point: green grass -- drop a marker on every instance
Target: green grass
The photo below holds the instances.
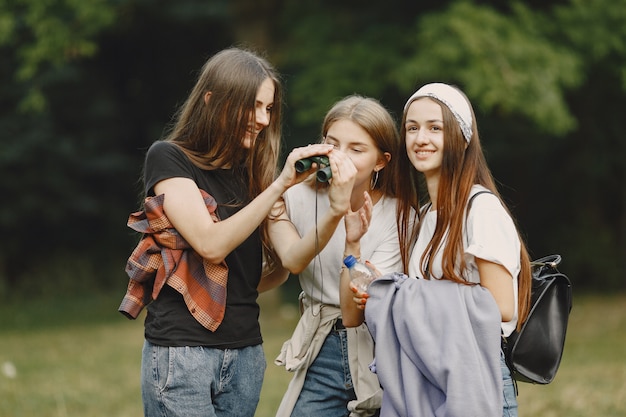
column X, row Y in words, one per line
column 81, row 358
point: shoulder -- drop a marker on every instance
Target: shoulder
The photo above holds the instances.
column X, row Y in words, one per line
column 486, row 210
column 384, row 216
column 161, row 148
column 304, row 191
column 481, row 198
column 386, row 206
column 165, row 160
column 166, row 154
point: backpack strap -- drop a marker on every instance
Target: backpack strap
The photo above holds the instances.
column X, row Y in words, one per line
column 467, row 209
column 471, row 199
column 469, row 204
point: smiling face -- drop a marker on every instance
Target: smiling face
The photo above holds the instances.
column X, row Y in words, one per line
column 424, row 136
column 350, row 138
column 262, row 112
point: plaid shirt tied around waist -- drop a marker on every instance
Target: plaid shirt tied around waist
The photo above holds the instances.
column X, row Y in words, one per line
column 162, row 256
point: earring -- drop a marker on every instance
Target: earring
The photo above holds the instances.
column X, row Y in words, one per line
column 374, row 180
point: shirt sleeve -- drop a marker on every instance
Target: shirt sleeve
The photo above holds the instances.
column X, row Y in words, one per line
column 165, row 160
column 492, row 235
column 386, row 253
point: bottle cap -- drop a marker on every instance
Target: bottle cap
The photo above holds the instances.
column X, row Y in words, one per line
column 349, row 261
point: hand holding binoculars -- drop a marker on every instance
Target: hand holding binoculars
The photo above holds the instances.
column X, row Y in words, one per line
column 324, row 172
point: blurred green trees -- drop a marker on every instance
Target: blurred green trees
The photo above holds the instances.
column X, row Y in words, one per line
column 86, row 86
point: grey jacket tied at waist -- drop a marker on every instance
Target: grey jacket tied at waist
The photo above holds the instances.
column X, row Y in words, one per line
column 437, row 347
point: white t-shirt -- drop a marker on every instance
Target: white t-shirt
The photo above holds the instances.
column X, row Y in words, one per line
column 490, row 234
column 380, row 245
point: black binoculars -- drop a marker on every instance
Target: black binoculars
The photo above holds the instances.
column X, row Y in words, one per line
column 323, row 172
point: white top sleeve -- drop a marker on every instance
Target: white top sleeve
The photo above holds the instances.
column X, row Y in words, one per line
column 492, row 236
column 380, row 245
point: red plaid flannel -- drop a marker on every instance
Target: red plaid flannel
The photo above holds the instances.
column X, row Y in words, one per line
column 162, row 256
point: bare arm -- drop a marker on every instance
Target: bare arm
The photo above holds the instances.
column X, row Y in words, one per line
column 297, row 252
column 273, row 279
column 187, row 212
column 352, row 302
column 352, row 306
column 499, row 282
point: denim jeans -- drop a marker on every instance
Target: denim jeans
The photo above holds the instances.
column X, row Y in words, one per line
column 201, row 382
column 328, row 383
column 509, row 404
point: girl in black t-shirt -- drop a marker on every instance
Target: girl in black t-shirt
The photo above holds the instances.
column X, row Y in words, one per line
column 224, row 142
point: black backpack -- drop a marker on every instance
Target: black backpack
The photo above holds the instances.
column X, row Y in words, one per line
column 534, row 353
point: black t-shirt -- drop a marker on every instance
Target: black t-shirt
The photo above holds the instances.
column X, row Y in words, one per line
column 169, row 322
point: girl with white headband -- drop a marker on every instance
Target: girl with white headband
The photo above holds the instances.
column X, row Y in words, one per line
column 467, row 236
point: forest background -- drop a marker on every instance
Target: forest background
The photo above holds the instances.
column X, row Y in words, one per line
column 87, row 85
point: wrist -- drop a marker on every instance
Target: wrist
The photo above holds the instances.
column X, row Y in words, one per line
column 279, row 186
column 337, row 213
column 353, row 250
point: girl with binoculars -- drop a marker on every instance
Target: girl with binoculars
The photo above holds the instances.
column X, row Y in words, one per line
column 309, row 234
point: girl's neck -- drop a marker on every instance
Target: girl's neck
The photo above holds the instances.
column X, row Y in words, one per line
column 376, row 195
column 432, row 184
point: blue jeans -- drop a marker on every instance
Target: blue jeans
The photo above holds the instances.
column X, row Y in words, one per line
column 201, row 382
column 328, row 383
column 509, row 404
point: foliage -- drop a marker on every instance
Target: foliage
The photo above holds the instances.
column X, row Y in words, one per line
column 75, row 160
column 594, row 154
column 503, row 61
column 49, row 34
column 331, row 51
column 603, row 31
column 88, row 85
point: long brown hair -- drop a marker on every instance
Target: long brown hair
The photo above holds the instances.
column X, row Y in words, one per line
column 463, row 166
column 211, row 132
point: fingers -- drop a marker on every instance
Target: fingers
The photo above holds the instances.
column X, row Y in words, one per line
column 342, row 167
column 308, row 151
column 365, row 213
column 368, row 205
column 360, row 302
column 373, row 268
column 357, row 293
column 365, row 219
column 360, row 298
column 289, row 176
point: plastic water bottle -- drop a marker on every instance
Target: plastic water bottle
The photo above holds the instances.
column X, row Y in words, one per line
column 360, row 274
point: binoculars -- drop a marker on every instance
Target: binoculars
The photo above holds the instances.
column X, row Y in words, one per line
column 323, row 172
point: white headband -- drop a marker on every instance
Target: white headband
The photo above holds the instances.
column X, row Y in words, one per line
column 454, row 100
